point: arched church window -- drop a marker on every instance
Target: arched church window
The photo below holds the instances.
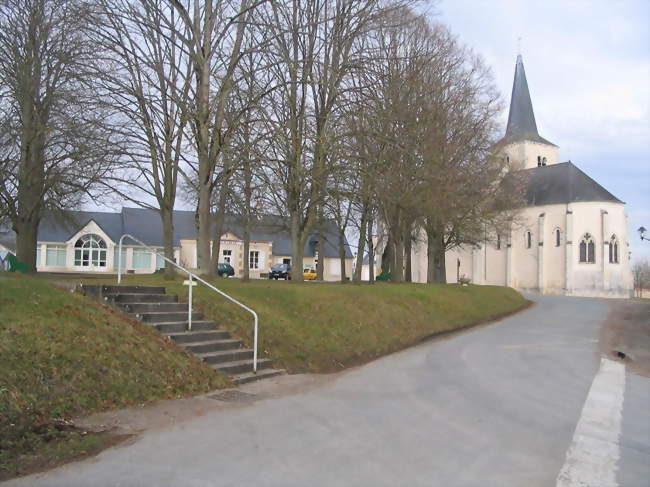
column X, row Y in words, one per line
column 90, row 251
column 498, row 242
column 543, row 161
column 529, row 240
column 587, row 249
column 613, row 250
column 539, row 161
column 557, row 237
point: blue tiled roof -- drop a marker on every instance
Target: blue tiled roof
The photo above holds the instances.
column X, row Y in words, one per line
column 146, row 225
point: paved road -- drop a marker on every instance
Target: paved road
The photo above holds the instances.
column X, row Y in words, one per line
column 495, row 406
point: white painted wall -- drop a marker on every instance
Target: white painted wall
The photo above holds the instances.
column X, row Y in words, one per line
column 523, row 154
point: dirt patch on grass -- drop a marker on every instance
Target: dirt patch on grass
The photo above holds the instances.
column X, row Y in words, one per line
column 625, row 335
column 74, row 446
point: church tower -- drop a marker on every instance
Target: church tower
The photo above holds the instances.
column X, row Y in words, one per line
column 522, row 144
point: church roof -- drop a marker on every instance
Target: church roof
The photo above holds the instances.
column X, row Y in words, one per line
column 521, row 118
column 563, row 183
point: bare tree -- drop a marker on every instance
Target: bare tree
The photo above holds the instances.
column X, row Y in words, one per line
column 148, row 76
column 641, row 274
column 55, row 142
column 316, row 45
column 214, row 43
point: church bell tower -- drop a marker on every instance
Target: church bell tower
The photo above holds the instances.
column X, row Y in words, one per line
column 522, row 144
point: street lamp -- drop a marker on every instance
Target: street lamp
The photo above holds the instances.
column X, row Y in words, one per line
column 642, row 231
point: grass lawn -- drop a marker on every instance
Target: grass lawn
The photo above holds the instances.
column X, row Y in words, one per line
column 62, row 355
column 324, row 327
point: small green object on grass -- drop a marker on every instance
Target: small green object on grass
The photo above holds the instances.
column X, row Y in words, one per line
column 16, row 265
column 384, row 276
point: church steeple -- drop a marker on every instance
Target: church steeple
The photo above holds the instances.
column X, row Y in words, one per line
column 522, row 144
column 521, row 119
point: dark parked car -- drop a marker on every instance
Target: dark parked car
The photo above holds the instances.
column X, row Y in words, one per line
column 225, row 270
column 280, row 271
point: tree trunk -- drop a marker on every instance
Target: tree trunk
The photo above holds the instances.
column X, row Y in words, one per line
column 398, row 274
column 342, row 255
column 436, row 268
column 166, row 216
column 407, row 253
column 30, row 191
column 297, row 249
column 26, row 240
column 202, row 68
column 360, row 246
column 203, row 229
column 371, row 254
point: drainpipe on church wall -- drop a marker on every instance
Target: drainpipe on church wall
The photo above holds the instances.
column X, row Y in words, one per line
column 568, row 255
column 604, row 231
column 540, row 253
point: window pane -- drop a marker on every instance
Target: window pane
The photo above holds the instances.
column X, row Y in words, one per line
column 38, row 255
column 253, row 260
column 591, row 252
column 116, row 256
column 55, row 255
column 141, row 259
column 160, row 262
column 583, row 251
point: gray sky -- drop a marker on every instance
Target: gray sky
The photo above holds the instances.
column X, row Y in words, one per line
column 588, row 70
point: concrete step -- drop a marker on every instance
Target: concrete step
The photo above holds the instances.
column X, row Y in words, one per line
column 207, row 346
column 181, row 326
column 184, row 337
column 96, row 289
column 238, row 367
column 166, row 316
column 153, row 307
column 143, row 298
column 226, row 356
column 261, row 374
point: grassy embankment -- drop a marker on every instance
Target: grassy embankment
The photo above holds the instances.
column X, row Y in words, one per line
column 62, row 355
column 324, row 327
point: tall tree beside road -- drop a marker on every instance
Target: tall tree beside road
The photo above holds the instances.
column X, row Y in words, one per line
column 147, row 75
column 54, row 141
column 215, row 34
column 316, row 46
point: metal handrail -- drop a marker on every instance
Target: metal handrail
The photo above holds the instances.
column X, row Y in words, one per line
column 195, row 277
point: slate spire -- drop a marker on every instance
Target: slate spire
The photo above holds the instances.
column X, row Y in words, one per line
column 521, row 119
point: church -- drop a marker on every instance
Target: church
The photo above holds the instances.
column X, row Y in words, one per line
column 570, row 238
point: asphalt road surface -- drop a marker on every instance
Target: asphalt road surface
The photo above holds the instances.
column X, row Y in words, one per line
column 527, row 401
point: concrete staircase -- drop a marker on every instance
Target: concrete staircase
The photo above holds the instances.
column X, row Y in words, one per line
column 152, row 306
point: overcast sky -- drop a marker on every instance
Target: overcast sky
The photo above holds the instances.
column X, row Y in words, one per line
column 588, row 70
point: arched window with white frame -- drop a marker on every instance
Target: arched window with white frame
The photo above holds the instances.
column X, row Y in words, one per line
column 558, row 237
column 90, row 251
column 528, row 239
column 613, row 250
column 587, row 249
